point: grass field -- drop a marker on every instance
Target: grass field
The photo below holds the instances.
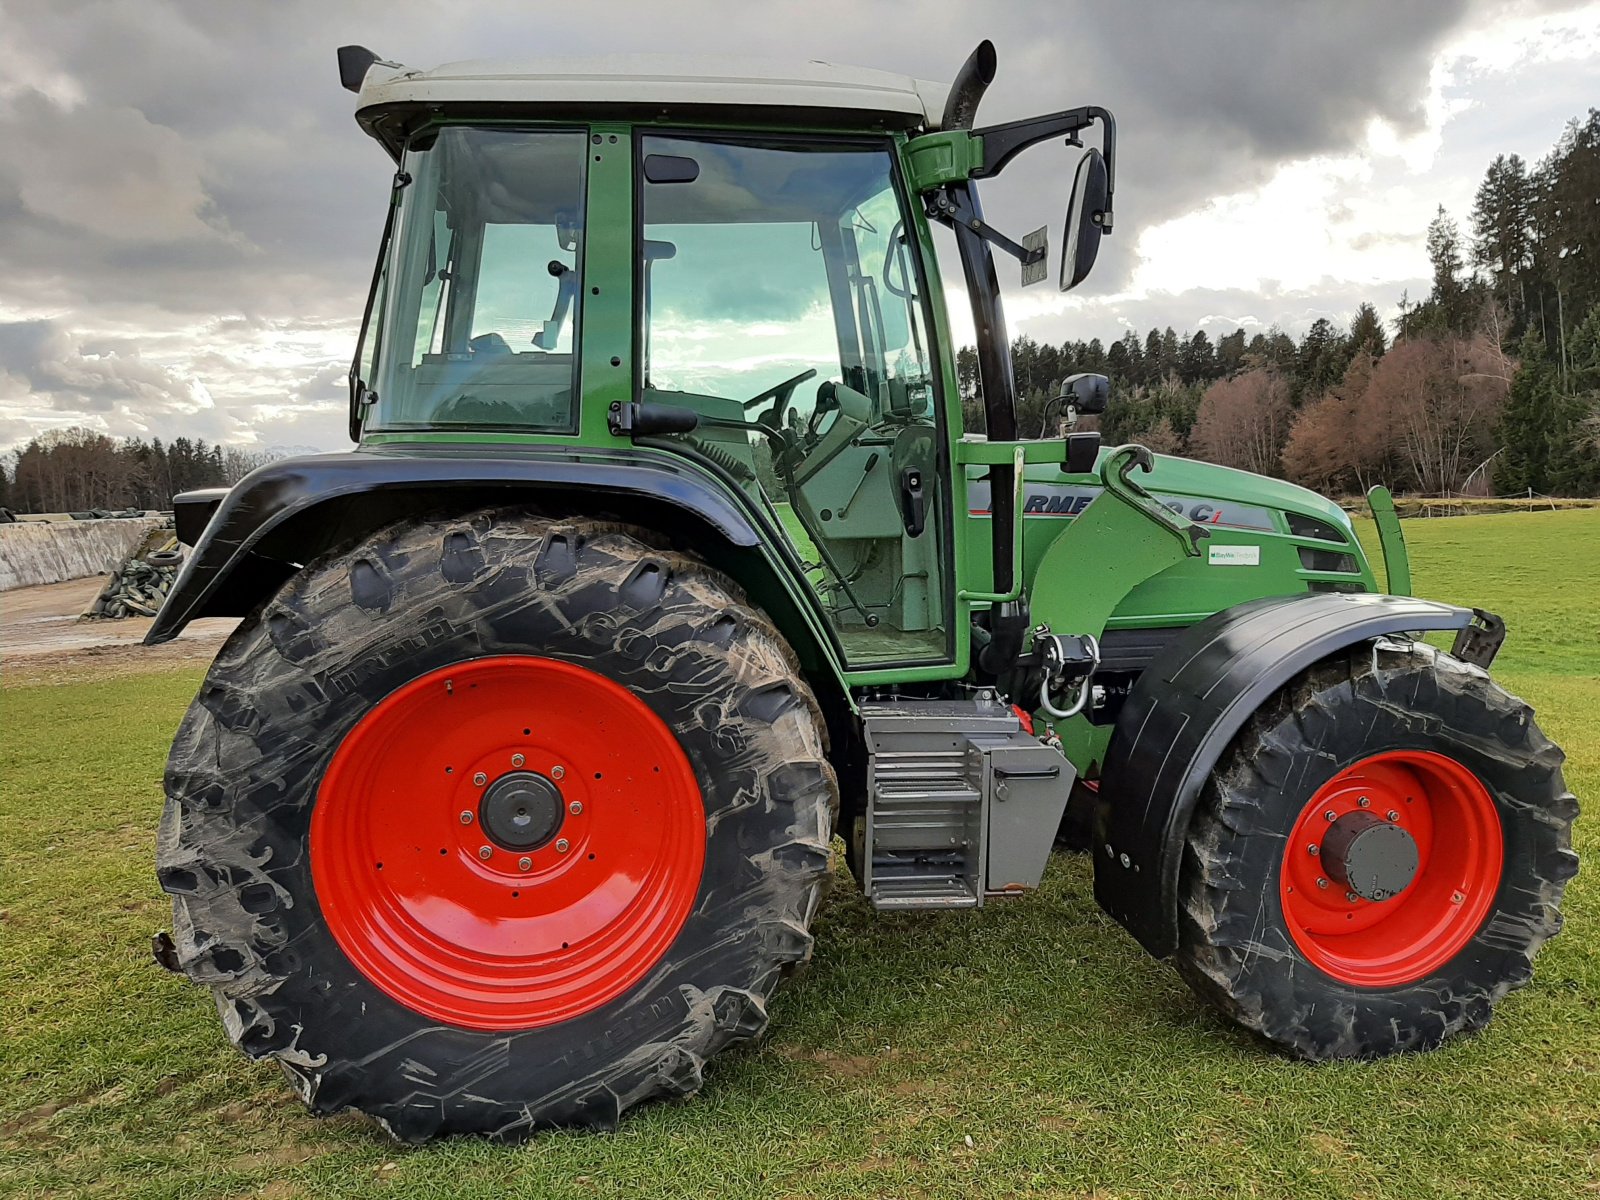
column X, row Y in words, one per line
column 1027, row 1048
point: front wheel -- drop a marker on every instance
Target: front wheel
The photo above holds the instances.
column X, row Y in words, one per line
column 497, row 823
column 1377, row 857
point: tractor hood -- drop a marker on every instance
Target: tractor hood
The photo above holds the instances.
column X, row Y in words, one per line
column 1186, row 477
column 1266, row 538
column 1208, row 494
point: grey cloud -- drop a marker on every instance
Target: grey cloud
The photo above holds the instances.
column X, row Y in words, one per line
column 189, row 162
column 58, row 369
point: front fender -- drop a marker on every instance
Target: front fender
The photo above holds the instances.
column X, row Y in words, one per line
column 286, row 513
column 1187, row 707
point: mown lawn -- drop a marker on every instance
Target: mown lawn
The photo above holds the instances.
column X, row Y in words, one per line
column 1028, row 1048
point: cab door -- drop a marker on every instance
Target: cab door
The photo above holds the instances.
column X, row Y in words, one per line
column 782, row 301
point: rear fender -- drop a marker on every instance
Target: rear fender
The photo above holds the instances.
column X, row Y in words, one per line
column 287, row 513
column 1187, row 707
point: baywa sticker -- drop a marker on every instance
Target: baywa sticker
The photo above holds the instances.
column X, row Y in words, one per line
column 1233, row 556
column 1059, row 500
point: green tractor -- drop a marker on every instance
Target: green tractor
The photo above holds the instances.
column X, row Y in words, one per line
column 663, row 558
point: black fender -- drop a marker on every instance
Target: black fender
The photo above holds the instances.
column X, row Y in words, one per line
column 286, row 513
column 1185, row 709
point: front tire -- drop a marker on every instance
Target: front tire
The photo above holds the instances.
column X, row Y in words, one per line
column 497, row 823
column 1333, row 951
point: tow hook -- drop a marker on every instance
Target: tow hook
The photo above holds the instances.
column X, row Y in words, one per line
column 1478, row 641
column 1061, row 661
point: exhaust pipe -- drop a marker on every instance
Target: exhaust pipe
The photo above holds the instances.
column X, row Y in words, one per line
column 974, row 78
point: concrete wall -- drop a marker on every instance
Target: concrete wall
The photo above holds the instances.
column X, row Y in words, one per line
column 33, row 552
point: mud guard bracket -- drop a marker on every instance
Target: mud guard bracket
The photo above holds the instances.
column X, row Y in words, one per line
column 1184, row 711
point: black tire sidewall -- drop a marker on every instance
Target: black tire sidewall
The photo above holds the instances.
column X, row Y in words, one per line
column 1333, row 723
column 359, row 1041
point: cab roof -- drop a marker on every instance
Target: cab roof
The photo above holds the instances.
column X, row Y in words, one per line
column 742, row 90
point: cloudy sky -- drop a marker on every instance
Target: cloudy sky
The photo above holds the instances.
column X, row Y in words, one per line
column 188, row 212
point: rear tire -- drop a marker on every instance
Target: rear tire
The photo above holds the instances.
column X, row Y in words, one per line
column 328, row 754
column 1393, row 728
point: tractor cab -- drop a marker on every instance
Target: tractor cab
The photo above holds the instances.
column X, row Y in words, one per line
column 733, row 268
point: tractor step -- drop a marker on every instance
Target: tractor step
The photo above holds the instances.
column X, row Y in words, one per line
column 962, row 804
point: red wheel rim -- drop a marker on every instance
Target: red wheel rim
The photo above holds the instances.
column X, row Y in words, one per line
column 520, row 937
column 1453, row 820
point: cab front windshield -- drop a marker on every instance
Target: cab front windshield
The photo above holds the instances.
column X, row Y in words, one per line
column 780, row 300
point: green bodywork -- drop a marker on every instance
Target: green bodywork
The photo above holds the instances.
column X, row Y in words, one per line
column 1092, row 558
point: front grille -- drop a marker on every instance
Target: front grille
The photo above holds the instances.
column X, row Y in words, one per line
column 1303, row 526
column 1328, row 560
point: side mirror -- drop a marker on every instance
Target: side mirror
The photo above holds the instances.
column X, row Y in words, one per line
column 1088, row 219
column 1085, row 393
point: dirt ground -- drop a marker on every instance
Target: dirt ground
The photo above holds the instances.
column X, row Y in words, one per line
column 42, row 639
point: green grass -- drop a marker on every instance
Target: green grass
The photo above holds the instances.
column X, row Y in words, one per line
column 1077, row 1066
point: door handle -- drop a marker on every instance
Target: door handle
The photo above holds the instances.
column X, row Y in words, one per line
column 913, row 501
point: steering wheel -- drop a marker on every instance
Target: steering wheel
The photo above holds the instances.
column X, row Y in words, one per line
column 783, row 394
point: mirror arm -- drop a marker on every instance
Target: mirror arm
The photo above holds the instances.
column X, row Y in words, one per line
column 950, row 207
column 1002, row 143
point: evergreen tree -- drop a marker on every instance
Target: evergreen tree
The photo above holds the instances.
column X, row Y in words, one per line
column 1525, row 425
column 1138, row 371
column 1502, row 243
column 1230, row 352
column 1154, row 365
column 1450, row 297
column 1367, row 333
column 1197, row 361
column 1169, row 350
column 1321, row 360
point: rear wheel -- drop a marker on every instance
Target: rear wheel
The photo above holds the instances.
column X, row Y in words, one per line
column 497, row 824
column 1377, row 858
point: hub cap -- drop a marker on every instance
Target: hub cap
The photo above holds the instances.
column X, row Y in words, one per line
column 507, row 843
column 1372, row 857
column 521, row 810
column 1391, row 868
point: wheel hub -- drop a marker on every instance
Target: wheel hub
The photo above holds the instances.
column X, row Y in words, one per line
column 1391, row 868
column 521, row 810
column 1374, row 858
column 507, row 842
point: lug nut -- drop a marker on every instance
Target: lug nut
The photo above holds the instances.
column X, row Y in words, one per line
column 486, row 852
column 1392, row 815
column 575, row 807
column 1322, row 883
column 1330, row 815
column 1364, row 802
column 1313, row 849
column 562, row 845
column 524, row 864
column 480, row 779
column 466, row 816
column 517, row 760
column 1352, row 897
column 557, row 772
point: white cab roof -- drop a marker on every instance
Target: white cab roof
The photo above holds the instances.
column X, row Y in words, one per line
column 666, row 81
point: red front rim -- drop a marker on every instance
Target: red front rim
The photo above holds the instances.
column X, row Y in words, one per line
column 448, row 920
column 1460, row 853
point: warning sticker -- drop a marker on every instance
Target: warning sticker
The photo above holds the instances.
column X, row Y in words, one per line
column 1233, row 556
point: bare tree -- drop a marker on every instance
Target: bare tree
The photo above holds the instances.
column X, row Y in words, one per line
column 1338, row 440
column 1243, row 421
column 239, row 461
column 1443, row 396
